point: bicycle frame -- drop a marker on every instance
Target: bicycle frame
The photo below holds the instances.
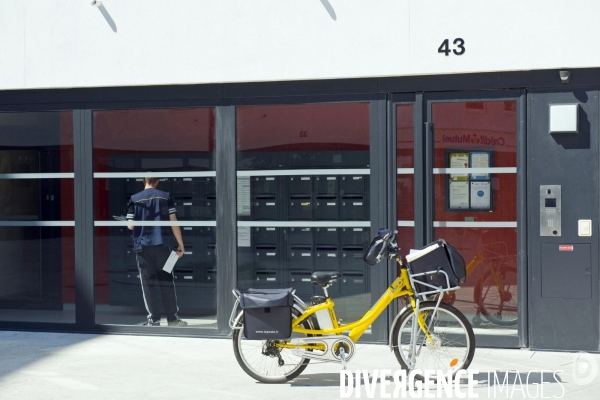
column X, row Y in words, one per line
column 400, row 287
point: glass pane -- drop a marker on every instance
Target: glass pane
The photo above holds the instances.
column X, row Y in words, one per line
column 492, row 126
column 130, row 284
column 405, row 136
column 476, row 211
column 36, row 217
column 30, row 200
column 36, row 142
column 38, row 269
column 293, row 222
column 303, row 136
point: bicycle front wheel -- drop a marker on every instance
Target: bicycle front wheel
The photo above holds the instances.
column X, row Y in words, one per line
column 451, row 342
column 264, row 361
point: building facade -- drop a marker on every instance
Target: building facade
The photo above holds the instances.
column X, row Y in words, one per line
column 287, row 134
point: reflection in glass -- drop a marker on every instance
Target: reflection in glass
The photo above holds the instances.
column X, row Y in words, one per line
column 489, row 297
column 179, row 142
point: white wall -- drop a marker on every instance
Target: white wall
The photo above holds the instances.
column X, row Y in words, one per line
column 69, row 43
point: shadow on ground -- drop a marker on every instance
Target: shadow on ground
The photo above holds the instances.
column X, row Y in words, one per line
column 18, row 353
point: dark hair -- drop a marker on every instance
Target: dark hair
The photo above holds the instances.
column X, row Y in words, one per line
column 151, row 181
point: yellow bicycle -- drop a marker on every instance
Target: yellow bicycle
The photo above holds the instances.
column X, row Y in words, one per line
column 425, row 335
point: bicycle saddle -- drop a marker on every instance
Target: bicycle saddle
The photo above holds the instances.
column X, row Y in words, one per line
column 323, row 278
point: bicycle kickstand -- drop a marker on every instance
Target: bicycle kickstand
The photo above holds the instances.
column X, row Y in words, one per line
column 343, row 357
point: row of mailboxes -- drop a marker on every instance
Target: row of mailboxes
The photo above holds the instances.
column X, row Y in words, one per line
column 201, row 278
column 317, row 184
column 326, row 257
column 303, row 159
column 190, row 208
column 337, row 184
column 306, row 235
column 309, row 257
column 311, row 207
column 351, row 283
column 199, row 233
column 197, row 187
column 328, row 235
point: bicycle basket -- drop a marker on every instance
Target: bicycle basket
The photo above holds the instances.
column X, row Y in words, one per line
column 431, row 260
column 267, row 313
column 371, row 253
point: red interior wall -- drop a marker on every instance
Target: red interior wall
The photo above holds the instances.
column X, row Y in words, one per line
column 305, row 127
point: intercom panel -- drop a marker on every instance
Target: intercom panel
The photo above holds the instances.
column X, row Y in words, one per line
column 550, row 210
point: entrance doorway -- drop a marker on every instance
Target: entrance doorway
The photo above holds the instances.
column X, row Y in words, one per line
column 457, row 179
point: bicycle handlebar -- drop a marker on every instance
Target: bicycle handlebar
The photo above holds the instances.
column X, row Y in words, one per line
column 387, row 239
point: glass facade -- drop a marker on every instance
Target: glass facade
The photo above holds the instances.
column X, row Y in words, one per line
column 37, row 217
column 176, row 146
column 303, row 199
column 304, row 204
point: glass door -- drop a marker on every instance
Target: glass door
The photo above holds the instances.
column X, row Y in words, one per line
column 146, row 158
column 472, row 193
column 303, row 199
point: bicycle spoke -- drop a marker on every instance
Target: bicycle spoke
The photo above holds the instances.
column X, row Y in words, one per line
column 445, row 347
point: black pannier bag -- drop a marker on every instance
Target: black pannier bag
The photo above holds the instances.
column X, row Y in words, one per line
column 441, row 257
column 267, row 313
column 371, row 253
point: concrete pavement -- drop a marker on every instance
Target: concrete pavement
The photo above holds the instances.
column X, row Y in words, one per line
column 81, row 366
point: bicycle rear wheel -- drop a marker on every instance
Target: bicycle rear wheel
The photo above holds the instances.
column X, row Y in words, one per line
column 498, row 304
column 265, row 362
column 453, row 344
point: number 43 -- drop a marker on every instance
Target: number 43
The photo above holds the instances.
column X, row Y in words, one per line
column 445, row 47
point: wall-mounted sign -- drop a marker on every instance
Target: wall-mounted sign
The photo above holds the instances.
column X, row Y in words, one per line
column 481, row 195
column 472, row 190
column 480, row 159
column 459, row 160
column 458, row 195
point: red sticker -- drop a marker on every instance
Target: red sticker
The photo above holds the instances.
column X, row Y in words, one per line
column 565, row 248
